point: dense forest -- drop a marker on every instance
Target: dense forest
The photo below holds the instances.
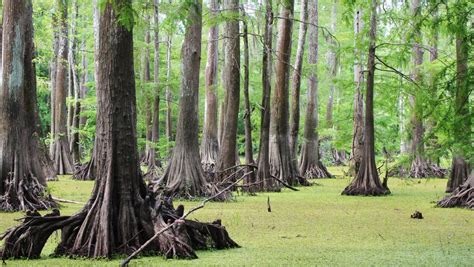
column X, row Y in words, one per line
column 157, row 100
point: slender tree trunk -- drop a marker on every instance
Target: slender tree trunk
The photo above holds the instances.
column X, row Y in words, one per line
column 146, row 79
column 333, row 67
column 310, row 164
column 296, row 83
column 357, row 147
column 23, row 173
column 169, row 122
column 53, row 67
column 227, row 151
column 184, row 174
column 264, row 181
column 61, row 152
column 76, row 157
column 462, row 149
column 367, row 181
column 248, row 110
column 210, row 143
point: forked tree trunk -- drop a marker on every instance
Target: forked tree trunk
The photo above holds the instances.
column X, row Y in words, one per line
column 310, row 164
column 184, row 174
column 227, row 150
column 296, row 83
column 357, row 147
column 264, row 181
column 248, row 110
column 210, row 143
column 462, row 150
column 367, row 181
column 23, row 173
column 61, row 152
column 281, row 165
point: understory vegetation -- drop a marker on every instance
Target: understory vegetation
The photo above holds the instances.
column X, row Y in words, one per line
column 315, row 226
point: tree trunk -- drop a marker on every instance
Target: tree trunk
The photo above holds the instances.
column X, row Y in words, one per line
column 281, row 165
column 61, row 152
column 227, row 151
column 210, row 143
column 184, row 174
column 367, row 181
column 146, row 78
column 310, row 164
column 357, row 147
column 462, row 196
column 248, row 110
column 462, row 150
column 296, row 83
column 23, row 173
column 76, row 157
column 53, row 68
column 169, row 122
column 264, row 182
column 333, row 67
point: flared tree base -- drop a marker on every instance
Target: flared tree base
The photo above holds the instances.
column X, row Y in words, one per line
column 354, row 190
column 316, row 171
column 27, row 194
column 85, row 172
column 425, row 170
column 180, row 241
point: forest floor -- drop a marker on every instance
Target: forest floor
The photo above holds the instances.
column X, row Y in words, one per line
column 316, row 226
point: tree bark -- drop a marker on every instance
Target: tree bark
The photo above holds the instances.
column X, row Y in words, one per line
column 227, row 150
column 296, row 83
column 248, row 110
column 146, row 79
column 184, row 174
column 210, row 143
column 76, row 156
column 169, row 122
column 281, row 165
column 310, row 164
column 22, row 168
column 264, row 182
column 357, row 147
column 462, row 149
column 61, row 152
column 367, row 181
column 462, row 196
column 333, row 67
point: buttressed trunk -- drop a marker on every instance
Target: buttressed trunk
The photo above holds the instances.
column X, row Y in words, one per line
column 23, row 172
column 210, row 143
column 310, row 164
column 61, row 152
column 227, row 151
column 367, row 181
column 281, row 165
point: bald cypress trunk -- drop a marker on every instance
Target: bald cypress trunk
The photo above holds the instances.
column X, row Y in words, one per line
column 367, row 181
column 61, row 152
column 281, row 165
column 357, row 147
column 210, row 143
column 462, row 149
column 264, row 182
column 22, row 172
column 76, row 110
column 310, row 164
column 184, row 174
column 296, row 82
column 227, row 150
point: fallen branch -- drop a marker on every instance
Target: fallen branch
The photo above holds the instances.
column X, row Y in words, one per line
column 283, row 183
column 126, row 261
column 67, row 201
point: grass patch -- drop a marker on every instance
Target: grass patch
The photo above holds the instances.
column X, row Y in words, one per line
column 316, row 226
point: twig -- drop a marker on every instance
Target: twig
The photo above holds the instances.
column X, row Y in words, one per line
column 200, row 206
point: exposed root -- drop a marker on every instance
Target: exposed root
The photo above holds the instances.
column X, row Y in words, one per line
column 353, row 190
column 463, row 196
column 25, row 194
column 317, row 171
column 153, row 172
column 85, row 171
column 421, row 169
column 179, row 241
